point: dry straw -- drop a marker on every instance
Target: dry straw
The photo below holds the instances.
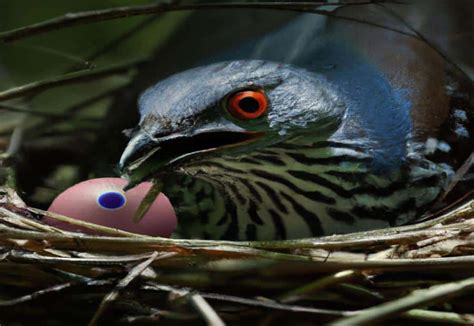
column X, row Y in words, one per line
column 420, row 272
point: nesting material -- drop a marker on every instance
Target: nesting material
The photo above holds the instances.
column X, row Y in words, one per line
column 117, row 276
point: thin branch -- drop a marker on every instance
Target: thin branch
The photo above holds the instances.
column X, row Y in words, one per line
column 84, row 224
column 71, row 57
column 418, row 298
column 114, row 43
column 32, row 258
column 16, row 140
column 72, row 111
column 35, row 295
column 205, row 310
column 133, row 274
column 270, row 304
column 85, row 17
column 450, row 318
column 75, row 77
column 458, row 176
column 276, row 306
column 318, row 285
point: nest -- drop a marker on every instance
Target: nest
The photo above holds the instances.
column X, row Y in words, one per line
column 420, row 272
column 417, row 273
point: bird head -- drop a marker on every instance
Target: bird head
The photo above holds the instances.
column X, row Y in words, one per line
column 228, row 107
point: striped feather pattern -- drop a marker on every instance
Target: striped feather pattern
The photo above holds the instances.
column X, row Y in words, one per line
column 292, row 191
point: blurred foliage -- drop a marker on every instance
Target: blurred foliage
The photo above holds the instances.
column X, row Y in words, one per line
column 54, row 54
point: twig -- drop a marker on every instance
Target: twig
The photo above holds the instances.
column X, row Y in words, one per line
column 71, row 111
column 458, row 176
column 253, row 302
column 451, row 318
column 84, row 224
column 20, row 109
column 418, row 298
column 205, row 310
column 134, row 273
column 277, row 306
column 16, row 140
column 318, row 285
column 35, row 295
column 24, row 222
column 85, row 17
column 148, row 200
column 74, row 77
column 360, row 291
column 113, row 44
column 32, row 258
column 71, row 57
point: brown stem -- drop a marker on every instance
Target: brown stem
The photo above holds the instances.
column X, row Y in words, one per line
column 86, row 17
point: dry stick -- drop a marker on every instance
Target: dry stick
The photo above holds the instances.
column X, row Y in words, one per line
column 451, row 318
column 148, row 200
column 88, row 225
column 205, row 310
column 318, row 285
column 24, row 222
column 458, row 176
column 16, row 140
column 361, row 292
column 277, row 306
column 33, row 296
column 75, row 77
column 85, row 17
column 34, row 258
column 134, row 273
column 250, row 302
column 418, row 298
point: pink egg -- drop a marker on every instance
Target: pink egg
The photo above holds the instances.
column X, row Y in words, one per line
column 102, row 201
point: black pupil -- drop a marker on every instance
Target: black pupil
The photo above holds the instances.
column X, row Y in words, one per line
column 249, row 104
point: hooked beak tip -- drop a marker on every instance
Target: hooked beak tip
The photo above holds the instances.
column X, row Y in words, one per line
column 135, row 146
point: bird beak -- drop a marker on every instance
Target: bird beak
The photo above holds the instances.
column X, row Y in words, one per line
column 176, row 146
column 136, row 149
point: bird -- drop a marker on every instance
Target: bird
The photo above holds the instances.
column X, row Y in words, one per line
column 321, row 127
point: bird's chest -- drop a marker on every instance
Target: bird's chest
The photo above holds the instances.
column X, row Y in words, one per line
column 292, row 192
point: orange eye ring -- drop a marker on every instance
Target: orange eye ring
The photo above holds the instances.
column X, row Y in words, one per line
column 248, row 105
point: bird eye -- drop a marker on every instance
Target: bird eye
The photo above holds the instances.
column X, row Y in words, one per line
column 247, row 105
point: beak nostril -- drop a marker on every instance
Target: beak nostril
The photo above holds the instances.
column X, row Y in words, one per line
column 161, row 135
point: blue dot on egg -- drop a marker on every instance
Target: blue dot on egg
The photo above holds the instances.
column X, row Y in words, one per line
column 111, row 200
